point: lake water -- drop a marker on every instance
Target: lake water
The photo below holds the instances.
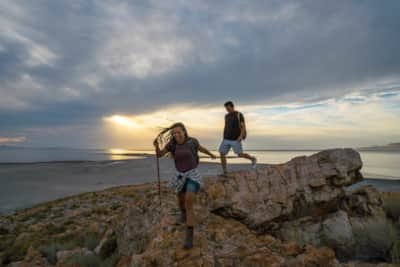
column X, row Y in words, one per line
column 381, row 165
column 74, row 171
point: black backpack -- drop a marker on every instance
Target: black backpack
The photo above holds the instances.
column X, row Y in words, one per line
column 245, row 130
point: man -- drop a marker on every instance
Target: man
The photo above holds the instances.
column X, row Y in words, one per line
column 234, row 133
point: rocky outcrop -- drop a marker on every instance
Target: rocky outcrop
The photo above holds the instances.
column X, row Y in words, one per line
column 277, row 193
column 251, row 218
column 218, row 242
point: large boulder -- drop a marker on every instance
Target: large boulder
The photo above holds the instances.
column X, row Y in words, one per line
column 337, row 229
column 272, row 194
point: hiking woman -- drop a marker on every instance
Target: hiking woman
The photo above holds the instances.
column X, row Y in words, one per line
column 187, row 180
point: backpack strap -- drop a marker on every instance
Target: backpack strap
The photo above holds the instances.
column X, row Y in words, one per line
column 245, row 130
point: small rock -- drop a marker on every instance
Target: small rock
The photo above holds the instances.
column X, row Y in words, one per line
column 64, row 255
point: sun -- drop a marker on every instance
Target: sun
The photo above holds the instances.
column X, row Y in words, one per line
column 124, row 121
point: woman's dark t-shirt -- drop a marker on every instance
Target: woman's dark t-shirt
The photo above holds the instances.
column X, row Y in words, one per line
column 232, row 126
column 185, row 159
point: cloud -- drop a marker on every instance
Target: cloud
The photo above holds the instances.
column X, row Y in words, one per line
column 329, row 123
column 75, row 62
column 12, row 139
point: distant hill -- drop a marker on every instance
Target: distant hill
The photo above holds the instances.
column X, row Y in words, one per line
column 388, row 147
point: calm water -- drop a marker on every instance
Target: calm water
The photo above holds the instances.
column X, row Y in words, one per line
column 382, row 165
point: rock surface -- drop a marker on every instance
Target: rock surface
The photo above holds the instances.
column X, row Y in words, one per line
column 277, row 193
column 218, row 241
column 237, row 215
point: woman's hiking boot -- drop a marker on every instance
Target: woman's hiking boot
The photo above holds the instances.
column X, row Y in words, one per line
column 189, row 238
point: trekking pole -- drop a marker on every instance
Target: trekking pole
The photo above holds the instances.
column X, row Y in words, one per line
column 158, row 177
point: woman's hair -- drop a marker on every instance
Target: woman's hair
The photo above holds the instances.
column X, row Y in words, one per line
column 166, row 135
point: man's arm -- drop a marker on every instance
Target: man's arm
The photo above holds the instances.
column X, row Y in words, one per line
column 242, row 127
column 206, row 151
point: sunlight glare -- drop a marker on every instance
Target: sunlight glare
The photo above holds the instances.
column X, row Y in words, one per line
column 124, row 121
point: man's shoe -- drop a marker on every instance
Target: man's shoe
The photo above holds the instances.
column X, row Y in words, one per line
column 224, row 174
column 254, row 163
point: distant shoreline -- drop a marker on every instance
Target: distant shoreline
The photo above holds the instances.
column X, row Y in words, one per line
column 372, row 148
column 393, row 147
column 147, row 155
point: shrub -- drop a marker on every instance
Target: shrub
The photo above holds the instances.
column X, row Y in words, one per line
column 91, row 240
column 392, row 208
column 90, row 260
column 50, row 251
column 376, row 238
column 395, row 252
column 111, row 261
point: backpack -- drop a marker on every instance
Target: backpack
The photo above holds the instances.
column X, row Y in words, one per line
column 245, row 130
column 194, row 147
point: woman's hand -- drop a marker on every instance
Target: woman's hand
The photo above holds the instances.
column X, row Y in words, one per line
column 205, row 151
column 155, row 143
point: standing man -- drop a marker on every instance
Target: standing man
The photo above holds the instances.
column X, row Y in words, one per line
column 234, row 133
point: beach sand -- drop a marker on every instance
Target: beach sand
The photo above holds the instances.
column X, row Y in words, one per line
column 26, row 184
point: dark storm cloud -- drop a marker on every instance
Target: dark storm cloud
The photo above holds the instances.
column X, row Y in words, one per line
column 92, row 58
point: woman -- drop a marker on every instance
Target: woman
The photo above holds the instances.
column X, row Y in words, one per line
column 187, row 180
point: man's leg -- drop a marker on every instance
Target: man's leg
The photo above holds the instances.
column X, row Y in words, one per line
column 246, row 156
column 223, row 150
column 238, row 149
column 223, row 162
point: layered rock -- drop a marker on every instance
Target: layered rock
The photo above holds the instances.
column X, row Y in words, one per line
column 218, row 241
column 276, row 193
column 241, row 217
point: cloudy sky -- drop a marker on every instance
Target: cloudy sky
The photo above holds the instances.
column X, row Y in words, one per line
column 107, row 74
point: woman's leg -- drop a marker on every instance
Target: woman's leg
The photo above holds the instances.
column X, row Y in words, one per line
column 181, row 200
column 189, row 202
column 181, row 203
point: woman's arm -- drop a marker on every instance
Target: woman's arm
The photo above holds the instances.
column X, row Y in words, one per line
column 206, row 151
column 160, row 152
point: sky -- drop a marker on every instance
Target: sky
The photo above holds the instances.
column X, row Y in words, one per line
column 109, row 74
